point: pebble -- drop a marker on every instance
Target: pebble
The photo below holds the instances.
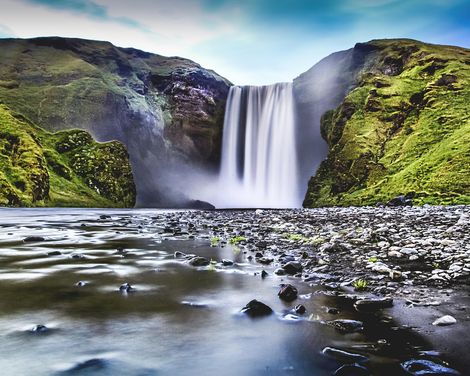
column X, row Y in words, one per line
column 445, row 321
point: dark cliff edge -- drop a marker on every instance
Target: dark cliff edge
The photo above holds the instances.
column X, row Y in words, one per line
column 167, row 111
column 402, row 125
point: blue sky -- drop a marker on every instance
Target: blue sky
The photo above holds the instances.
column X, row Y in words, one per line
column 247, row 41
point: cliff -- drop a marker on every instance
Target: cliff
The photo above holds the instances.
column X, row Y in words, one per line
column 167, row 111
column 402, row 127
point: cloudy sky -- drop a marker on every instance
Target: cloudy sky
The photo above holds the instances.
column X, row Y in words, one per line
column 247, row 41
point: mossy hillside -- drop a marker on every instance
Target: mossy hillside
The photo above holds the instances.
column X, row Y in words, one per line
column 63, row 83
column 67, row 168
column 404, row 128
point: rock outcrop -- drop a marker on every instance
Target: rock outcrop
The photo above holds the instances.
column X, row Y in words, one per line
column 67, row 168
column 167, row 111
column 402, row 128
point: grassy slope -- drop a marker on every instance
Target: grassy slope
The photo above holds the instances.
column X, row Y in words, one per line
column 67, row 168
column 405, row 128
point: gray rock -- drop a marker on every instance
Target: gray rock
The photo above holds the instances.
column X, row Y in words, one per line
column 199, row 261
column 445, row 321
column 371, row 305
column 287, row 293
column 293, row 267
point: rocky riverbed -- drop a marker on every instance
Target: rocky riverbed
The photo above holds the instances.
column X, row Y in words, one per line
column 344, row 291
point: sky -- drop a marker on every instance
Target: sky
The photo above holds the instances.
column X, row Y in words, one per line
column 253, row 42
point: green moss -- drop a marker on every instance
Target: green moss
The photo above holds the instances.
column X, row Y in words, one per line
column 405, row 128
column 68, row 168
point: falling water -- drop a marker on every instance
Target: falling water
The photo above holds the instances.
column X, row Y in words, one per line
column 259, row 160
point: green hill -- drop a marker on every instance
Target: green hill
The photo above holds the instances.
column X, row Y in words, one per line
column 404, row 127
column 67, row 168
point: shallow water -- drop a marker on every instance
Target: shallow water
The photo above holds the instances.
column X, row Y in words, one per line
column 180, row 320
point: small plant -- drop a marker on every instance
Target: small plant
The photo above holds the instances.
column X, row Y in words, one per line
column 360, row 284
column 373, row 259
column 435, row 265
column 215, row 241
column 295, row 237
column 236, row 239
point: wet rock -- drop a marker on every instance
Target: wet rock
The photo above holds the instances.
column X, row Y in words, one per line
column 352, row 370
column 81, row 283
column 39, row 329
column 199, row 261
column 287, row 293
column 30, row 239
column 332, row 310
column 264, row 274
column 54, row 253
column 77, row 256
column 445, row 321
column 126, row 287
column 401, row 201
column 343, row 356
column 347, row 326
column 104, row 216
column 280, row 271
column 265, row 260
column 300, row 309
column 226, row 262
column 421, row 367
column 371, row 305
column 292, row 267
column 256, row 308
column 179, row 254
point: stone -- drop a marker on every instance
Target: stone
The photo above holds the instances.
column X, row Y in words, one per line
column 421, row 367
column 445, row 321
column 265, row 260
column 39, row 329
column 292, row 267
column 31, row 239
column 126, row 287
column 372, row 305
column 54, row 253
column 179, row 254
column 264, row 274
column 287, row 293
column 198, row 261
column 226, row 262
column 280, row 271
column 300, row 309
column 347, row 326
column 256, row 308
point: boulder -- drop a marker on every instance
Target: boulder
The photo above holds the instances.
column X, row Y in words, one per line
column 287, row 293
column 256, row 308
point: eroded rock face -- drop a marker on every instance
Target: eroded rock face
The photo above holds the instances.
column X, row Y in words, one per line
column 168, row 112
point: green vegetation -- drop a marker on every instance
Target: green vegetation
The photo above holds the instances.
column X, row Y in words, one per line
column 404, row 128
column 215, row 240
column 236, row 239
column 373, row 259
column 68, row 168
column 314, row 240
column 360, row 285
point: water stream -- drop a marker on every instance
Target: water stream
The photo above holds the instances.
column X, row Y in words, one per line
column 178, row 320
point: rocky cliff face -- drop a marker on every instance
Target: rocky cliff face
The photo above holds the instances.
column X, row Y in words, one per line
column 67, row 168
column 403, row 126
column 168, row 112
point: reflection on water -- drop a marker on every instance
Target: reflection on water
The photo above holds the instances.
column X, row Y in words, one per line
column 178, row 320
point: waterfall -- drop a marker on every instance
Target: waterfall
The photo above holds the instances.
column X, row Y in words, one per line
column 259, row 166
